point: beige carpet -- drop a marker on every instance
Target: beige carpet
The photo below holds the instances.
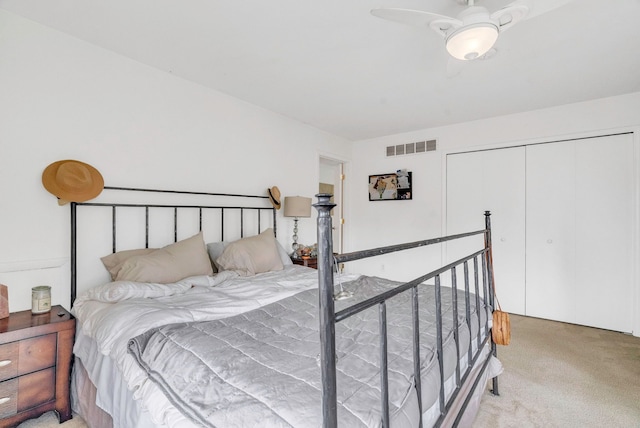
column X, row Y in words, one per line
column 50, row 420
column 556, row 375
column 563, row 375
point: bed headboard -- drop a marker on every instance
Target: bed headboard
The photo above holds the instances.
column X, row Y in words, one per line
column 127, row 218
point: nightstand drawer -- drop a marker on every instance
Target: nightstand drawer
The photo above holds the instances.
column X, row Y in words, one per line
column 9, row 360
column 8, row 397
column 26, row 356
column 25, row 392
column 36, row 388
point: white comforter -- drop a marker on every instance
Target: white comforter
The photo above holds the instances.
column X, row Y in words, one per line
column 116, row 312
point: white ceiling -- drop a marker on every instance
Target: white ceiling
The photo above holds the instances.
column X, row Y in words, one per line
column 332, row 65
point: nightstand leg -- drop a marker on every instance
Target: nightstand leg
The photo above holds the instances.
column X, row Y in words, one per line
column 63, row 383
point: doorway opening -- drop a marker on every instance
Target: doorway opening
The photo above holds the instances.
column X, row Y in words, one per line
column 332, row 181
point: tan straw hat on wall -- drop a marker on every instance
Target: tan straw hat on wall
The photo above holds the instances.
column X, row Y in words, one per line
column 72, row 181
column 274, row 197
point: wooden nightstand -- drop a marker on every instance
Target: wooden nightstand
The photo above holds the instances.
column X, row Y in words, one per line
column 312, row 263
column 35, row 365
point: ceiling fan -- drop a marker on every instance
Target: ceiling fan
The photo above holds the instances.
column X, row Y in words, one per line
column 475, row 30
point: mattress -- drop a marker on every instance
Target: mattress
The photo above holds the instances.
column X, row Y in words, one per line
column 108, row 319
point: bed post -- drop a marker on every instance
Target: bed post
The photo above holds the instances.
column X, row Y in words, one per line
column 327, row 311
column 489, row 256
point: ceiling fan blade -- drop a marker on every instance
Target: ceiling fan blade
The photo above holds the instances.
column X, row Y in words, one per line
column 408, row 16
column 509, row 15
column 539, row 7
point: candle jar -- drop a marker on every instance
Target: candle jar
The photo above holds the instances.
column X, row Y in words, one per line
column 40, row 299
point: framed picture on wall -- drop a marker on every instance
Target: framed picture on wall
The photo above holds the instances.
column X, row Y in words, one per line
column 390, row 187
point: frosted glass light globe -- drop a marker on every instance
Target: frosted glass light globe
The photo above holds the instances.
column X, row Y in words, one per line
column 472, row 41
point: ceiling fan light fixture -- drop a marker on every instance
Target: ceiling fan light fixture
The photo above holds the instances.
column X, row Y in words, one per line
column 472, row 41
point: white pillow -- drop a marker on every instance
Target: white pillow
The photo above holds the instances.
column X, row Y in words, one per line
column 249, row 256
column 284, row 257
column 215, row 250
column 118, row 291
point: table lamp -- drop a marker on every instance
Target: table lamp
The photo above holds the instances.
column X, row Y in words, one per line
column 296, row 207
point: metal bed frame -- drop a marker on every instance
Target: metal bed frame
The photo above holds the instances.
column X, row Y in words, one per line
column 328, row 317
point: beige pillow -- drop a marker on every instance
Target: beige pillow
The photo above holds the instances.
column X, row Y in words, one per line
column 113, row 262
column 249, row 256
column 169, row 264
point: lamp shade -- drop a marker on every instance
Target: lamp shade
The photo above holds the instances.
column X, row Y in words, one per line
column 297, row 206
column 472, row 41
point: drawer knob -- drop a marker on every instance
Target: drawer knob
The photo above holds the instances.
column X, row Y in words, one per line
column 4, row 363
column 4, row 400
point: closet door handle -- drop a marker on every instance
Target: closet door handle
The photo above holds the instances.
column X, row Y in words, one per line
column 549, row 241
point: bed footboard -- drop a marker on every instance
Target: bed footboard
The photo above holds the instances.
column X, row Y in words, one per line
column 476, row 281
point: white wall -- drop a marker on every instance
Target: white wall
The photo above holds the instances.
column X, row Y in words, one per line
column 62, row 98
column 383, row 223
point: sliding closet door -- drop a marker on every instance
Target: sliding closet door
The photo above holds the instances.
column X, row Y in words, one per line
column 551, row 231
column 604, row 239
column 579, row 231
column 492, row 180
